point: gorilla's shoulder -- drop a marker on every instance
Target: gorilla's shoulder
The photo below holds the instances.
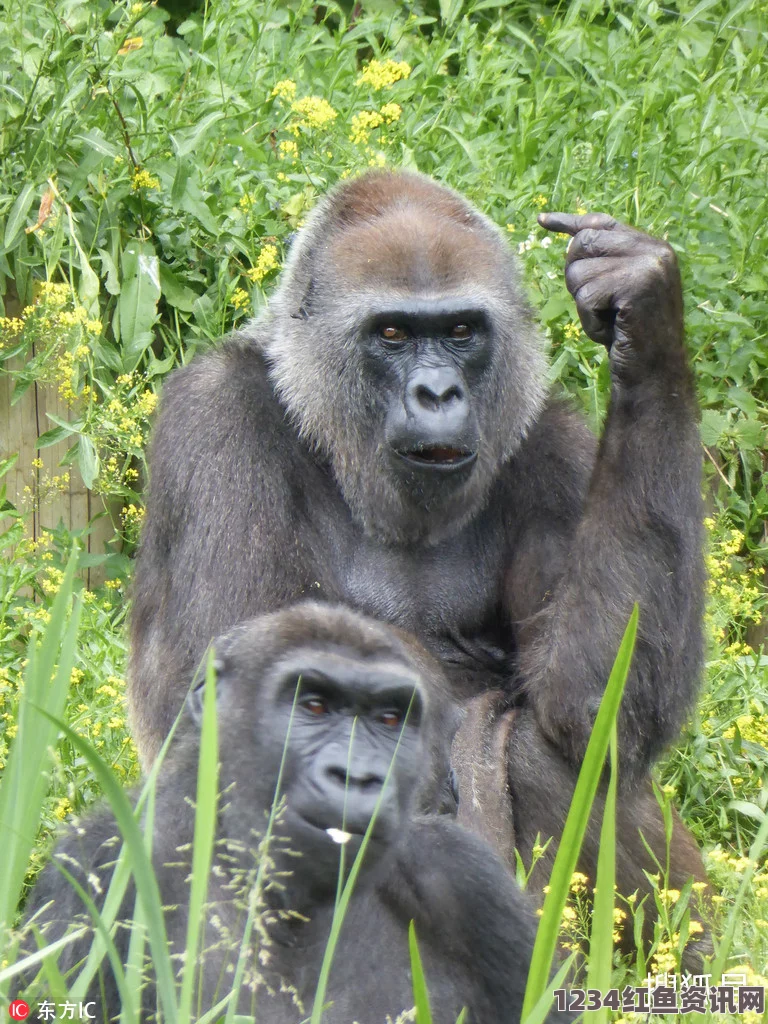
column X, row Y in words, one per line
column 550, row 471
column 561, row 435
column 222, row 376
column 87, row 850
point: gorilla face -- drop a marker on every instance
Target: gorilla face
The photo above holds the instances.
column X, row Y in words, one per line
column 430, row 358
column 333, row 730
column 403, row 347
column 353, row 744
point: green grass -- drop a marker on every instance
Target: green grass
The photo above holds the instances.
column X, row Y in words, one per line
column 153, row 181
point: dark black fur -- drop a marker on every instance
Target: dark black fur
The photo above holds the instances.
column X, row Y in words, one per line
column 475, row 929
column 270, row 478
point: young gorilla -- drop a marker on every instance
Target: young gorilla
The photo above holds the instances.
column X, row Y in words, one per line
column 382, row 437
column 370, row 703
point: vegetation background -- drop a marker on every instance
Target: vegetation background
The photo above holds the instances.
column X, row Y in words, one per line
column 152, row 170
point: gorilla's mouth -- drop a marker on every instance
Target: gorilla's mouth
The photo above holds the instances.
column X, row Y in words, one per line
column 438, row 456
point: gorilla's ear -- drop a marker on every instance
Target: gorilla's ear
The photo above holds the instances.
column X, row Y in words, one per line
column 196, row 694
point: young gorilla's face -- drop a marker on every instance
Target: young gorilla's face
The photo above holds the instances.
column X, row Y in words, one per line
column 352, row 735
column 336, row 733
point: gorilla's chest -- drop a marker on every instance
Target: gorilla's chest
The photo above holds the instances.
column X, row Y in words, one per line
column 452, row 588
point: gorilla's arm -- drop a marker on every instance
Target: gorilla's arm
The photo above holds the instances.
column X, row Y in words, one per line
column 223, row 500
column 88, row 853
column 638, row 537
column 466, row 909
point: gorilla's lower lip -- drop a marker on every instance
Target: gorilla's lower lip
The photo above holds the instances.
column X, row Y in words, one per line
column 329, row 829
column 438, row 457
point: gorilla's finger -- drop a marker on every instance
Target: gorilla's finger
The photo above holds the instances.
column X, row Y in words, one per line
column 580, row 272
column 622, row 242
column 572, row 223
column 596, row 308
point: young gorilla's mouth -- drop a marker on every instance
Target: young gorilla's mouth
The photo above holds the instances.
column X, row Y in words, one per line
column 438, row 456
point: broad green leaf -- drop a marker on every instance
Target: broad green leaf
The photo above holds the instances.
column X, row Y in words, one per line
column 137, row 305
column 87, row 461
column 18, row 214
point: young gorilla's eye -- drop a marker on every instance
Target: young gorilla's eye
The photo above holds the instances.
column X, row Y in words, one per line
column 315, row 706
column 392, row 333
column 461, row 332
column 391, row 718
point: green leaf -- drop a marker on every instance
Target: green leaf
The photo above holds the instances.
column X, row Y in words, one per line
column 53, row 436
column 137, row 305
column 7, row 464
column 713, row 426
column 87, row 461
column 749, row 434
column 18, row 214
column 449, row 12
column 555, row 306
column 175, row 292
column 112, row 280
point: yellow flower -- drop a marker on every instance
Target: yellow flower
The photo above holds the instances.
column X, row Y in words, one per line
column 391, row 112
column 240, row 298
column 143, row 179
column 540, row 201
column 380, row 74
column 288, row 148
column 363, row 124
column 314, row 112
column 132, row 515
column 572, row 330
column 146, row 403
column 62, row 809
column 266, row 262
column 285, row 89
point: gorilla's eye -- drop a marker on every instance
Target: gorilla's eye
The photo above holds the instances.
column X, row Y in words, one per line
column 391, row 718
column 461, row 332
column 315, row 706
column 393, row 334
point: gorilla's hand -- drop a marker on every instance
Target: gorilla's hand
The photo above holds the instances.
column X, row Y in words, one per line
column 565, row 714
column 627, row 290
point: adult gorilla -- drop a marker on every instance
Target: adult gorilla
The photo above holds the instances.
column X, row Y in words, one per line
column 382, row 437
column 368, row 722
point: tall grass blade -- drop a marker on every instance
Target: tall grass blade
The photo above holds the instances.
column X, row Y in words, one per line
column 24, row 781
column 141, row 866
column 205, row 829
column 601, row 932
column 576, row 822
column 420, row 993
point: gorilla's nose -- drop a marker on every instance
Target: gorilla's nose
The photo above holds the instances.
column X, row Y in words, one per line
column 435, row 389
column 362, row 780
column 351, row 793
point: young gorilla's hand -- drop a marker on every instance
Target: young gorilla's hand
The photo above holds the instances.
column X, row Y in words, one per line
column 627, row 290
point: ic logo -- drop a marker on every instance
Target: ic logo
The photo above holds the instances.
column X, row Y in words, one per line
column 18, row 1010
